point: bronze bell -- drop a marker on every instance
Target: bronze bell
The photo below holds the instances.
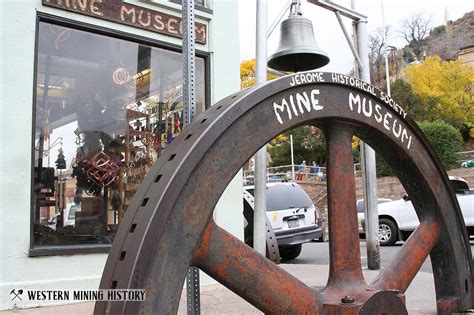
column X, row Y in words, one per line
column 297, row 49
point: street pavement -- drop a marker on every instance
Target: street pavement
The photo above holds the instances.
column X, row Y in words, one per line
column 311, row 267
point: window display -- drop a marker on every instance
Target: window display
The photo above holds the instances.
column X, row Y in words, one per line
column 105, row 110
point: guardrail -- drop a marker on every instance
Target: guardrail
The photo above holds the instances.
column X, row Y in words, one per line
column 292, row 173
column 288, row 173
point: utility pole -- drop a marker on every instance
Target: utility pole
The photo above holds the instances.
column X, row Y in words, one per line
column 260, row 175
column 292, row 159
column 369, row 176
column 387, row 72
column 386, row 51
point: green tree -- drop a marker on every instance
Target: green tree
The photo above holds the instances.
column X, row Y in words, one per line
column 403, row 93
column 308, row 144
column 445, row 139
column 383, row 169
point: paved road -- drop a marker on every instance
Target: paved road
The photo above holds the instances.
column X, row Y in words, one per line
column 318, row 254
column 311, row 267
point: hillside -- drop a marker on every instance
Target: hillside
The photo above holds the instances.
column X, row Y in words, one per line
column 447, row 40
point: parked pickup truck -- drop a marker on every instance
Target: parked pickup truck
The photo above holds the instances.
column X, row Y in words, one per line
column 398, row 219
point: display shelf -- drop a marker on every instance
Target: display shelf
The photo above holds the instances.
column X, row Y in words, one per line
column 127, row 189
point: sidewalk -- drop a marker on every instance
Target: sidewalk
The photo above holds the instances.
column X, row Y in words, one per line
column 216, row 299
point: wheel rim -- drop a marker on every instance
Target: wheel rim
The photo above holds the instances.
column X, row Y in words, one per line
column 169, row 210
column 385, row 232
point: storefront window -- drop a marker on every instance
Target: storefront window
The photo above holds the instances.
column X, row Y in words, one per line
column 105, row 110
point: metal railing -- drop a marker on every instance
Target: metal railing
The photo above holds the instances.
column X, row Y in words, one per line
column 285, row 173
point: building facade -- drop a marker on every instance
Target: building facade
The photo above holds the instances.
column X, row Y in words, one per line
column 467, row 55
column 91, row 95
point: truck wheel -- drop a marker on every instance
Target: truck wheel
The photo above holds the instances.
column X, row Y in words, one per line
column 290, row 252
column 387, row 232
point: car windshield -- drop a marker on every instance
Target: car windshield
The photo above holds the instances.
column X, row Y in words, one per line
column 280, row 197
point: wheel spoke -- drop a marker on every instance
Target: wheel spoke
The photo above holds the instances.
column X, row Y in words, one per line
column 402, row 270
column 345, row 265
column 251, row 276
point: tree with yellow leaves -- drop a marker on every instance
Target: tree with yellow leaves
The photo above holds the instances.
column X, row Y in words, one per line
column 247, row 74
column 446, row 89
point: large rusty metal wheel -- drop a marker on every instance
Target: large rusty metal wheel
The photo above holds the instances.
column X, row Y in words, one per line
column 169, row 227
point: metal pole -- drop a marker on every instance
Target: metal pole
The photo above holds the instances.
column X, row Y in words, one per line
column 368, row 164
column 276, row 72
column 331, row 6
column 348, row 38
column 278, row 18
column 189, row 99
column 387, row 73
column 292, row 159
column 189, row 93
column 259, row 236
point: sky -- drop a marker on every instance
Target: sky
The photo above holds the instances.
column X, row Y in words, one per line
column 328, row 33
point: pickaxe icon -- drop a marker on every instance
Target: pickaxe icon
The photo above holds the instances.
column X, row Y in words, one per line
column 16, row 295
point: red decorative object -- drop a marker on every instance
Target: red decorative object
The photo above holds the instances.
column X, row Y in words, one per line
column 102, row 170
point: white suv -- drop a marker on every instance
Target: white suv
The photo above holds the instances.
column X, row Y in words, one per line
column 292, row 214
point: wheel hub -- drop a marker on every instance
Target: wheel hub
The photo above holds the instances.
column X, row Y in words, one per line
column 368, row 302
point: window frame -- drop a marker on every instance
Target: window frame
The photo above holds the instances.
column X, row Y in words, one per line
column 200, row 7
column 50, row 250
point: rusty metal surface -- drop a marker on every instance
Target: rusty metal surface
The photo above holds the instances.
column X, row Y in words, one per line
column 166, row 225
column 344, row 260
column 388, row 303
column 272, row 251
column 399, row 275
column 259, row 281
